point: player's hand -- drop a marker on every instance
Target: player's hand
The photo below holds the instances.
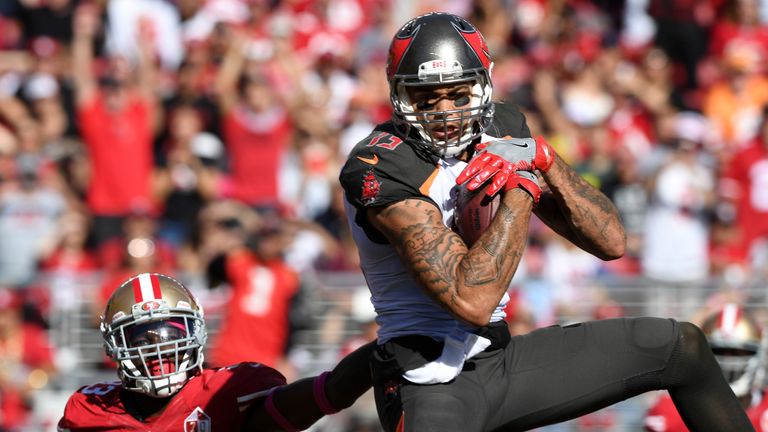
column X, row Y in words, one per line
column 504, row 156
column 486, row 166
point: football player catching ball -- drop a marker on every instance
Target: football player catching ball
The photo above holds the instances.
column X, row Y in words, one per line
column 446, row 361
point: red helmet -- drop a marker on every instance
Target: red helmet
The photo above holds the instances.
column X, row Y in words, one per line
column 433, row 49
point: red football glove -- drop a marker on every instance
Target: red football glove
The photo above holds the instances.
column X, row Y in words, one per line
column 526, row 181
column 485, row 166
column 504, row 156
column 545, row 155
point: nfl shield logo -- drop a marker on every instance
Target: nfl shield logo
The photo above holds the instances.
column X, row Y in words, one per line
column 198, row 421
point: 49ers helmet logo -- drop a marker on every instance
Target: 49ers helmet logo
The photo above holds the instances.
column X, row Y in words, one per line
column 150, row 305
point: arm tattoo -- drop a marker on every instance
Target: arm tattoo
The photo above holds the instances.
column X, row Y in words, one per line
column 596, row 209
column 433, row 250
column 497, row 254
column 434, row 255
column 440, row 260
column 480, row 269
column 581, row 213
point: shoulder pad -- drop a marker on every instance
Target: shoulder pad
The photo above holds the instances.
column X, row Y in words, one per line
column 89, row 406
column 249, row 376
column 245, row 382
column 383, row 169
column 508, row 120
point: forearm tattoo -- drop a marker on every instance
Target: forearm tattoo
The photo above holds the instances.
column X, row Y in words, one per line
column 486, row 264
column 432, row 250
column 592, row 217
column 440, row 260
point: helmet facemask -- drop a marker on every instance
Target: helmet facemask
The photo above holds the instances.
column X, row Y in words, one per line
column 739, row 365
column 157, row 350
column 440, row 49
column 473, row 118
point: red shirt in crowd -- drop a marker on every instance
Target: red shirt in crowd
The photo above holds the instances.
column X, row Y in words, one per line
column 729, row 35
column 256, row 144
column 120, row 150
column 34, row 352
column 758, row 414
column 61, row 260
column 255, row 324
column 215, row 400
column 746, row 179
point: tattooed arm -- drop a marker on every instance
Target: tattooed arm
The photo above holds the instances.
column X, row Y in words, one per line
column 468, row 282
column 581, row 213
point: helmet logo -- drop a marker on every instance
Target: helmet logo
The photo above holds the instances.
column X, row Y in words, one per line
column 476, row 41
column 150, row 305
column 183, row 305
column 396, row 52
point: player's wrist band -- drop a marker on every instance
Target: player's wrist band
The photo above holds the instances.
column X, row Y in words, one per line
column 320, row 398
column 276, row 415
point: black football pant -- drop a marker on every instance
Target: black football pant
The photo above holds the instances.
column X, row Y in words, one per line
column 557, row 373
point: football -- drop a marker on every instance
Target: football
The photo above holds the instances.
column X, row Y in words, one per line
column 474, row 212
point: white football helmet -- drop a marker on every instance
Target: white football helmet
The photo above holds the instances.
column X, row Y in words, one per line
column 153, row 328
column 736, row 340
column 440, row 48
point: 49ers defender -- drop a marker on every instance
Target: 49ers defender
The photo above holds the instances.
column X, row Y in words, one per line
column 153, row 328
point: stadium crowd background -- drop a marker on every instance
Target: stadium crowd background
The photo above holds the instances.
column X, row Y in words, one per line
column 203, row 139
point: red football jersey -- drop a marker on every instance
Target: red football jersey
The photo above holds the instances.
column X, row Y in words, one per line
column 746, row 176
column 663, row 417
column 256, row 325
column 215, row 400
column 758, row 414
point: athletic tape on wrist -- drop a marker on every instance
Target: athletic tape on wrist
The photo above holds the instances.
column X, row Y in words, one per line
column 276, row 415
column 322, row 401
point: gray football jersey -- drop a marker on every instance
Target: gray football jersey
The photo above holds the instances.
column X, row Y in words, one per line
column 383, row 169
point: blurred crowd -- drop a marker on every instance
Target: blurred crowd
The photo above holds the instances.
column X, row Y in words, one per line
column 203, row 139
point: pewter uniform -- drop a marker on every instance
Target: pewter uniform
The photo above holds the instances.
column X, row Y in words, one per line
column 515, row 383
column 381, row 170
